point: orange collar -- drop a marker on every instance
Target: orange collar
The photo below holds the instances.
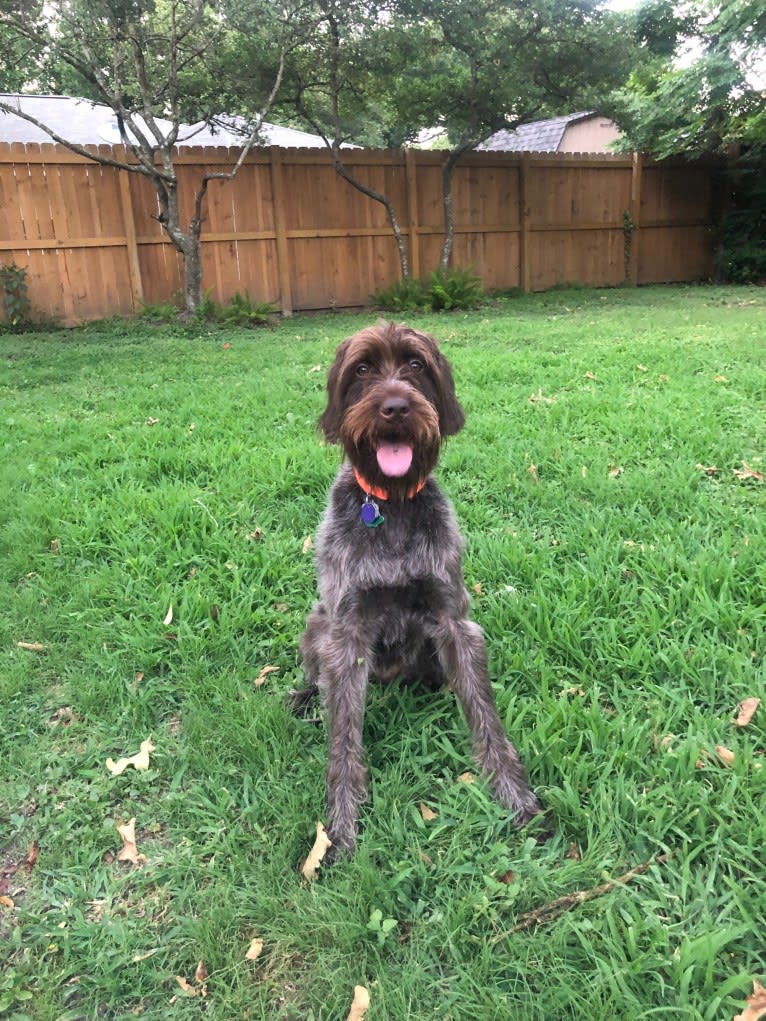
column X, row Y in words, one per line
column 382, row 494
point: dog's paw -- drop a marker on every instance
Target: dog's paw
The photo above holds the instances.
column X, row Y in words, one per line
column 343, row 846
column 532, row 815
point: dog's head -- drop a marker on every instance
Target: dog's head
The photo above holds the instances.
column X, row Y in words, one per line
column 390, row 402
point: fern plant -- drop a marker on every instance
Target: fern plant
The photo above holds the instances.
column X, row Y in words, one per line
column 442, row 291
column 455, row 290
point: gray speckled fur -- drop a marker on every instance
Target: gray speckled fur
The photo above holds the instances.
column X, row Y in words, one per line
column 393, row 603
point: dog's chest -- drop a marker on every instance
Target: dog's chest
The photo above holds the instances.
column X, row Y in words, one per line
column 416, row 547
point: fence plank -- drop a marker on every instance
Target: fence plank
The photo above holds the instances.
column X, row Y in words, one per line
column 134, row 265
column 283, row 255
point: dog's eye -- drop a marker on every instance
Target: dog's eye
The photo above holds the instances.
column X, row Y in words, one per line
column 416, row 365
column 362, row 369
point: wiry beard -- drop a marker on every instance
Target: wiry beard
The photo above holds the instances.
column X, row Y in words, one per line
column 363, row 429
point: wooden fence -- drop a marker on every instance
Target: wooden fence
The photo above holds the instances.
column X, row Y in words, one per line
column 290, row 231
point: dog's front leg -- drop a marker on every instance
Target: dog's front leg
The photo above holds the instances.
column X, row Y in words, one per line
column 343, row 679
column 463, row 656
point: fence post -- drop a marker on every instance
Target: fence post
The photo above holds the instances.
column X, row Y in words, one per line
column 635, row 216
column 131, row 244
column 524, row 270
column 283, row 251
column 411, row 173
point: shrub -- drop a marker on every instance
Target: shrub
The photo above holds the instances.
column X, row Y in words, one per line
column 243, row 311
column 13, row 284
column 442, row 291
column 741, row 233
column 455, row 290
column 408, row 295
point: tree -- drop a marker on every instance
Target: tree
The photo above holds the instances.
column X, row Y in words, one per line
column 496, row 65
column 694, row 92
column 158, row 64
column 699, row 90
column 338, row 83
column 468, row 66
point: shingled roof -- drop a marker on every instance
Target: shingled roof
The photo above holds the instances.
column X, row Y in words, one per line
column 537, row 136
column 88, row 123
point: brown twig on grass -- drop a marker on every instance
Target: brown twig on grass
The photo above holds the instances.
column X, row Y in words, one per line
column 548, row 912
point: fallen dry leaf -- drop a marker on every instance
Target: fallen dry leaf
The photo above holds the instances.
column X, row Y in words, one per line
column 726, row 755
column 360, row 1004
column 746, row 711
column 64, row 716
column 468, row 778
column 33, row 853
column 615, row 470
column 152, row 421
column 427, row 814
column 167, row 620
column 747, row 472
column 200, row 973
column 139, row 761
column 31, row 646
column 187, row 987
column 533, row 473
column 591, row 375
column 710, row 470
column 56, row 547
column 6, row 902
column 316, row 854
column 254, row 950
column 572, row 690
column 261, row 678
column 129, row 852
column 137, row 958
column 573, row 854
column 756, row 1004
column 642, row 368
column 720, row 379
column 308, row 544
column 540, row 398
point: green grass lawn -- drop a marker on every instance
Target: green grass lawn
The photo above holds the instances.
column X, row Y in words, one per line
column 618, row 568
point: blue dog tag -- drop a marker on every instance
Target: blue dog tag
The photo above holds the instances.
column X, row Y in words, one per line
column 370, row 513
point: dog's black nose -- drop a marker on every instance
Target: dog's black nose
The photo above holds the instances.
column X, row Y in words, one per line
column 395, row 407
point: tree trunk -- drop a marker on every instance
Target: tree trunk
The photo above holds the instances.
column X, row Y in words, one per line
column 192, row 256
column 448, row 170
column 376, row 196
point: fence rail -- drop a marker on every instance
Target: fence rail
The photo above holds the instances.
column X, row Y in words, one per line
column 288, row 229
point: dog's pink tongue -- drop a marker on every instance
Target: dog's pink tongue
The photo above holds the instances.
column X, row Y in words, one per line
column 394, row 459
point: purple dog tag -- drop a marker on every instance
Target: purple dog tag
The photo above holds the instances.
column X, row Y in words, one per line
column 370, row 514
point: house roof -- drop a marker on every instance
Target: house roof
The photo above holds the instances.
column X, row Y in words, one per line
column 88, row 123
column 536, row 136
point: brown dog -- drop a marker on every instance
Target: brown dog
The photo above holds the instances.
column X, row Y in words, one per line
column 393, row 602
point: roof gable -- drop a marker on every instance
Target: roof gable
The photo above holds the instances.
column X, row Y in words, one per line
column 87, row 123
column 536, row 136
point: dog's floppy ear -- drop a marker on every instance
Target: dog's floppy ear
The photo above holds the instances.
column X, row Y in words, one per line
column 332, row 416
column 451, row 415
